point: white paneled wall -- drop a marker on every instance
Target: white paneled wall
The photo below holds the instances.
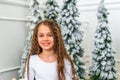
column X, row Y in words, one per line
column 12, row 36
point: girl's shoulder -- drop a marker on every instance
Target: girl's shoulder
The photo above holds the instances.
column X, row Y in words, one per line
column 33, row 57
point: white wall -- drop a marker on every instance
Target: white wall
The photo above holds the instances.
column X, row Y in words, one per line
column 12, row 36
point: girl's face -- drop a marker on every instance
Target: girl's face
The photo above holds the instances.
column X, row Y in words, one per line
column 45, row 38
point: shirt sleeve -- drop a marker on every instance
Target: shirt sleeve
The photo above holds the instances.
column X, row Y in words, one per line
column 68, row 70
column 31, row 70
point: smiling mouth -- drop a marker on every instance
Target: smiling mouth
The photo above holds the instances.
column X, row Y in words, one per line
column 46, row 44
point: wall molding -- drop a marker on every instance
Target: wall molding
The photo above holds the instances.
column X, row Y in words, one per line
column 10, row 69
column 118, row 61
column 14, row 19
column 93, row 5
column 15, row 2
column 80, row 4
column 96, row 2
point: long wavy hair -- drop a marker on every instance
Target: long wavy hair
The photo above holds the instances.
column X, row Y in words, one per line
column 59, row 48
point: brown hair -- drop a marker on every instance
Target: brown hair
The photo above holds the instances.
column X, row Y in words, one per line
column 59, row 48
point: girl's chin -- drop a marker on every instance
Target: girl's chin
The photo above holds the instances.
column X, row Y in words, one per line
column 47, row 48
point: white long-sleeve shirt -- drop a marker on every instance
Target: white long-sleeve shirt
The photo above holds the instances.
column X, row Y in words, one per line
column 46, row 71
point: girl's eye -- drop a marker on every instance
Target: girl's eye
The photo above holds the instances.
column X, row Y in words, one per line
column 50, row 35
column 40, row 35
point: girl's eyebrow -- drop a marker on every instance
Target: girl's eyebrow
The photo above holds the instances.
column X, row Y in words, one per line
column 40, row 33
column 43, row 33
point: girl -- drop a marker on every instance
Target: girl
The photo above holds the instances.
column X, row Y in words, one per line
column 48, row 58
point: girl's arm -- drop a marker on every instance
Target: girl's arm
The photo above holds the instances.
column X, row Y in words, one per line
column 68, row 70
column 31, row 70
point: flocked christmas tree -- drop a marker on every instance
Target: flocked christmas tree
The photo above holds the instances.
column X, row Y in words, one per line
column 34, row 17
column 103, row 62
column 69, row 21
column 52, row 10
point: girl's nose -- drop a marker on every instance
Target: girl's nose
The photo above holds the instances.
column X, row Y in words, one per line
column 45, row 38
